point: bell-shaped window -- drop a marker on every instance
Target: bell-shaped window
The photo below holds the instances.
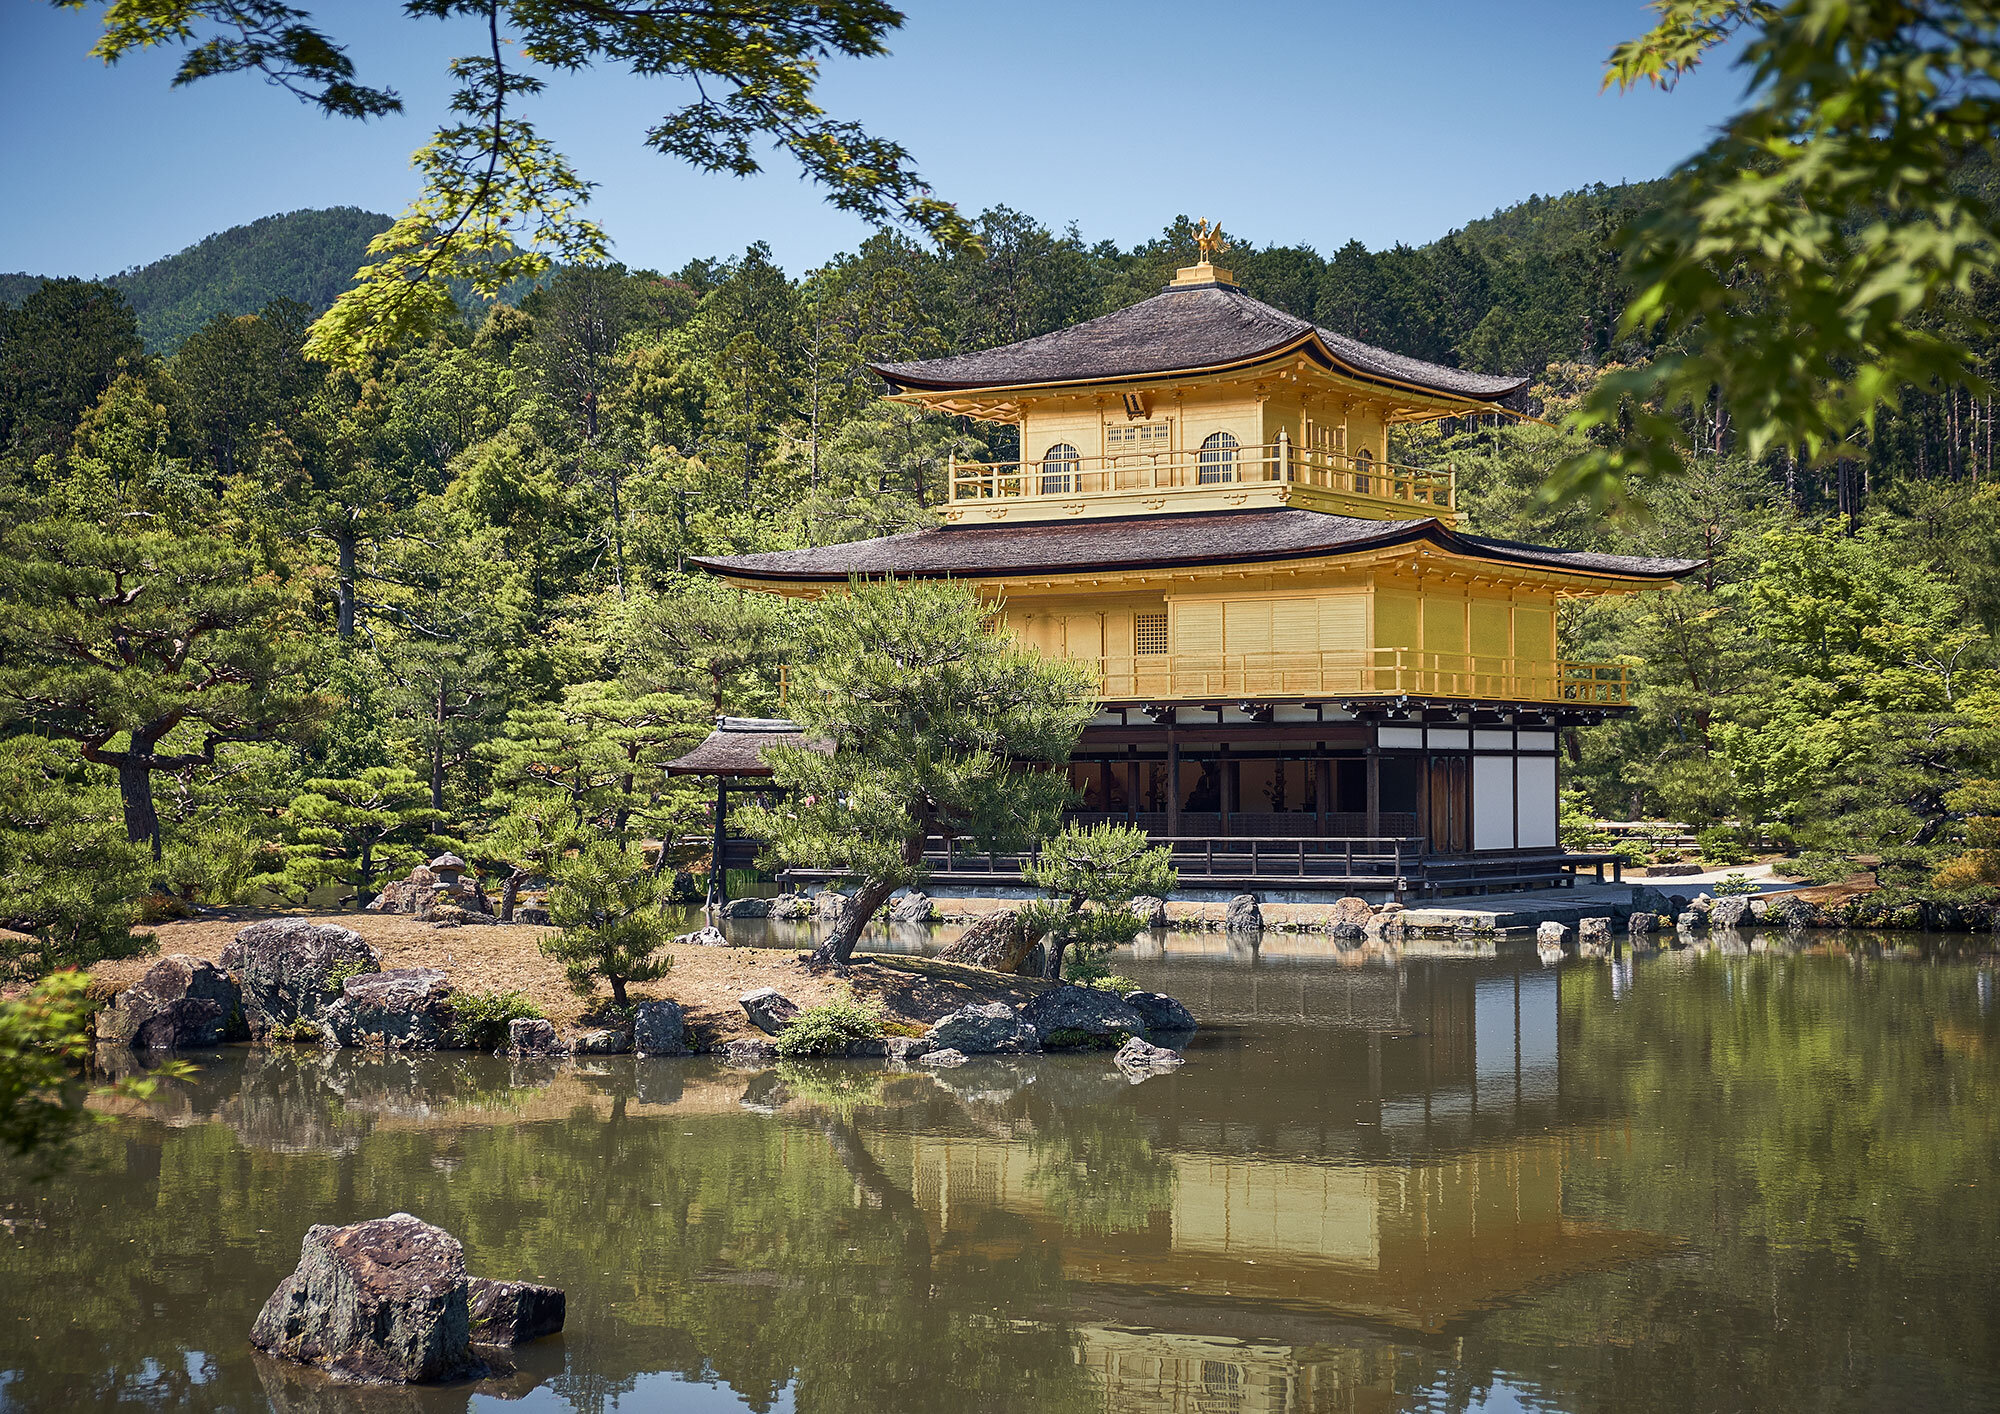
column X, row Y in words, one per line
column 1059, row 476
column 1217, row 461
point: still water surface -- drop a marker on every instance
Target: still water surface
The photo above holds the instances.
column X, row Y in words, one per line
column 1682, row 1183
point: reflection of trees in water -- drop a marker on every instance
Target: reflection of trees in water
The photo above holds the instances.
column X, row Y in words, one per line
column 1824, row 1135
column 1097, row 1171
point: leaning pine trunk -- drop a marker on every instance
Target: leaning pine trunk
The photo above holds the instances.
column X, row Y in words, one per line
column 839, row 946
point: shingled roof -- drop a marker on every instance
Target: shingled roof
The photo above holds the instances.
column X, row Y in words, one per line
column 1180, row 330
column 1150, row 542
column 734, row 747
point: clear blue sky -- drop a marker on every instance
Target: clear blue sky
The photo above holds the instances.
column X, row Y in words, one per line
column 1290, row 122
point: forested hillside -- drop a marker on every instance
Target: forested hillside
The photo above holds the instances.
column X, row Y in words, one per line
column 305, row 256
column 285, row 626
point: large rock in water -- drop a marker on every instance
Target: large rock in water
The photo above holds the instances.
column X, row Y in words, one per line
column 1160, row 1011
column 912, row 907
column 513, row 1312
column 406, row 1009
column 382, row 1300
column 389, row 1301
column 998, row 941
column 1244, row 915
column 181, row 1002
column 286, row 967
column 991, row 1028
column 1076, row 1018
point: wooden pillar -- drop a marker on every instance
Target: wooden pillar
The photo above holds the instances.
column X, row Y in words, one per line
column 1132, row 788
column 1374, row 769
column 1228, row 778
column 1424, row 821
column 1323, row 770
column 1173, row 782
column 718, row 873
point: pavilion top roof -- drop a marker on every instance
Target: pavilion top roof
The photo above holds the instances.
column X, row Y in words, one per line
column 1187, row 328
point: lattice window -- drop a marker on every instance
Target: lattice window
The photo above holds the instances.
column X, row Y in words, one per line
column 1120, row 439
column 1059, row 470
column 1149, row 635
column 1218, row 459
column 1326, row 437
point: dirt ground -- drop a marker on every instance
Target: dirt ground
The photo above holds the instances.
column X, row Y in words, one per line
column 705, row 981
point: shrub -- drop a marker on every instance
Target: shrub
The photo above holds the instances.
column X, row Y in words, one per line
column 479, row 1019
column 1733, row 884
column 299, row 1031
column 1778, row 835
column 1722, row 844
column 828, row 1029
column 1815, row 867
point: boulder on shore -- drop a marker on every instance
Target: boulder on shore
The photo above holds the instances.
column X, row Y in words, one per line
column 1729, row 911
column 286, row 969
column 1077, row 1018
column 989, row 1028
column 659, row 1029
column 1160, row 1012
column 912, row 907
column 432, row 890
column 534, row 1036
column 769, row 1009
column 405, row 1009
column 744, row 908
column 999, row 941
column 1244, row 915
column 601, row 1041
column 791, row 908
column 181, row 1002
column 709, row 937
column 388, row 1301
column 943, row 1059
column 1551, row 934
column 1348, row 919
column 1151, row 911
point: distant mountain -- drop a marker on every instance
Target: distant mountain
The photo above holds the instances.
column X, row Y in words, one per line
column 308, row 256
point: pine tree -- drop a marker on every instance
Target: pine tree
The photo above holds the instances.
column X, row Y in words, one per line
column 352, row 830
column 937, row 727
column 607, row 902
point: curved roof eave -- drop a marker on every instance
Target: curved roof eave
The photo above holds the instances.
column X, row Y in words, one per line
column 1311, row 339
column 1395, row 533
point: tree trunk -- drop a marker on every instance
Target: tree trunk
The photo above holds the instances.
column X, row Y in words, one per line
column 839, row 946
column 365, row 895
column 135, row 792
column 618, row 992
column 437, row 753
column 510, row 894
column 344, row 588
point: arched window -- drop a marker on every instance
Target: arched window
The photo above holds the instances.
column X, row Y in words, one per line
column 1364, row 467
column 1059, row 470
column 1218, row 459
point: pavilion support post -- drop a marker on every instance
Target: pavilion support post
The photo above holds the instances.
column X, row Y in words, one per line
column 1173, row 784
column 1323, row 770
column 718, row 872
column 1374, row 768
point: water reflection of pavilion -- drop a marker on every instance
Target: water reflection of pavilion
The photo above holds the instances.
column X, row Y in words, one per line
column 1288, row 1254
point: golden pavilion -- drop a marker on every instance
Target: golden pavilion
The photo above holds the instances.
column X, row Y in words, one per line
column 1311, row 675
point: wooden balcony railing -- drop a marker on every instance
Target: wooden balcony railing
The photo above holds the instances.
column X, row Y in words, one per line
column 1403, row 489
column 1382, row 672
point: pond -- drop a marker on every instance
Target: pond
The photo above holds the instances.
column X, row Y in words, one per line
column 1684, row 1182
